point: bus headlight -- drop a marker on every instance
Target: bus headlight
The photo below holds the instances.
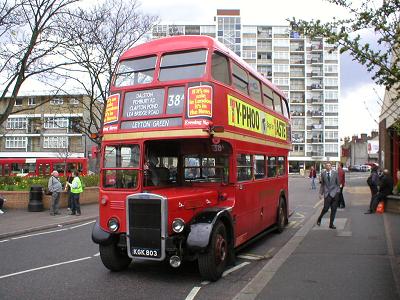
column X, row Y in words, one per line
column 113, row 224
column 178, row 225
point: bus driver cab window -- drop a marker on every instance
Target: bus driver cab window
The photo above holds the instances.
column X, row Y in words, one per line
column 154, row 174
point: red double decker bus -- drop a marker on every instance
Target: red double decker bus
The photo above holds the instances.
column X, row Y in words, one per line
column 42, row 166
column 194, row 156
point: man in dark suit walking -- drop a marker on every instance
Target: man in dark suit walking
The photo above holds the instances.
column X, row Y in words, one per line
column 330, row 189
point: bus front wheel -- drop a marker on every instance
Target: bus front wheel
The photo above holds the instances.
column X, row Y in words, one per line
column 114, row 258
column 213, row 262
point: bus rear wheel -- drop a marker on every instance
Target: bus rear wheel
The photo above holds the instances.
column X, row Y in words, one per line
column 114, row 258
column 282, row 221
column 213, row 262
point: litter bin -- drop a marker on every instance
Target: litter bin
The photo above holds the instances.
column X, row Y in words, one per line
column 36, row 198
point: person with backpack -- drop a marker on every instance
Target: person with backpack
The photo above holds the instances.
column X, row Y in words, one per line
column 76, row 189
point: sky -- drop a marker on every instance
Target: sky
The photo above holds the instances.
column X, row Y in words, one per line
column 359, row 96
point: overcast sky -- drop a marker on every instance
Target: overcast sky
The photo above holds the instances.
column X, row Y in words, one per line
column 357, row 88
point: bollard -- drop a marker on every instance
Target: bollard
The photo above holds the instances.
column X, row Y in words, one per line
column 36, row 198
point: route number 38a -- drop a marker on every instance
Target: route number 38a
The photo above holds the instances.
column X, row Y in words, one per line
column 175, row 100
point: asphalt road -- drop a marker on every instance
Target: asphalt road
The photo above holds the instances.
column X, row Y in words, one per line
column 65, row 264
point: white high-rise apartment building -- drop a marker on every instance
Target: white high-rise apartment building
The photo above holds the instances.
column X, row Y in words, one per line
column 305, row 69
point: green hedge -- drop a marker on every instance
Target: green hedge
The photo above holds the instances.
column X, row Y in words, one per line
column 14, row 183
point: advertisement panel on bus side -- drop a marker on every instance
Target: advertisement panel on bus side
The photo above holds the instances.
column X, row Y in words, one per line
column 246, row 116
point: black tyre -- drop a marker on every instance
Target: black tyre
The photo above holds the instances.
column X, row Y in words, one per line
column 213, row 262
column 282, row 220
column 114, row 258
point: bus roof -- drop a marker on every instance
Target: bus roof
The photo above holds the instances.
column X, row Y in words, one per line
column 187, row 42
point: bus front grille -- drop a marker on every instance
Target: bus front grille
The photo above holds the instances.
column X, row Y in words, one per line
column 146, row 217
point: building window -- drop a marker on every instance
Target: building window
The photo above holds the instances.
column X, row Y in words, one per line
column 55, row 142
column 331, row 121
column 56, row 101
column 16, row 123
column 329, row 81
column 73, row 101
column 31, row 101
column 331, row 135
column 16, row 142
column 281, row 55
column 331, row 68
column 18, row 102
column 331, row 95
column 331, row 108
column 331, row 148
column 281, row 68
column 53, row 122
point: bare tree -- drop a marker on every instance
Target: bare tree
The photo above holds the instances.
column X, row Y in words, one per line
column 98, row 36
column 29, row 44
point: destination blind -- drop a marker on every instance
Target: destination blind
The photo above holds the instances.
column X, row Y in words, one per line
column 246, row 116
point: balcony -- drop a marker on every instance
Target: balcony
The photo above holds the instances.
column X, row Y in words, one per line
column 316, row 86
column 316, row 47
column 297, row 113
column 317, row 153
column 316, row 126
column 298, row 140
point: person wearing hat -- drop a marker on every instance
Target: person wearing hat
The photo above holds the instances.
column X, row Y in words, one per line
column 55, row 188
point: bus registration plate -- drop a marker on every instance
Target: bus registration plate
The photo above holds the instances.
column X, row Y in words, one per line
column 145, row 252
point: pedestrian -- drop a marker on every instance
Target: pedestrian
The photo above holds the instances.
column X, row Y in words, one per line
column 55, row 188
column 2, row 200
column 76, row 190
column 385, row 188
column 342, row 181
column 67, row 188
column 329, row 190
column 313, row 176
column 373, row 181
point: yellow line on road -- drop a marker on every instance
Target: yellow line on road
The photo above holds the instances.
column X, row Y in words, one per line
column 318, row 203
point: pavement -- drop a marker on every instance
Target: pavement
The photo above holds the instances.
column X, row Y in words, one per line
column 358, row 260
column 18, row 221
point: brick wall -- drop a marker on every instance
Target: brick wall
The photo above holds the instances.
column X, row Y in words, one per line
column 20, row 200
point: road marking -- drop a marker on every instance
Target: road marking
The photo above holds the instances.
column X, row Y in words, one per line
column 235, row 268
column 40, row 233
column 46, row 232
column 97, row 254
column 193, row 293
column 318, row 203
column 45, row 267
column 80, row 225
column 269, row 253
column 250, row 257
column 298, row 216
column 205, row 282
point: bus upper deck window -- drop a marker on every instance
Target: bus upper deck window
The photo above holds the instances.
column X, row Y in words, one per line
column 220, row 68
column 183, row 65
column 255, row 89
column 135, row 71
column 240, row 79
column 277, row 102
